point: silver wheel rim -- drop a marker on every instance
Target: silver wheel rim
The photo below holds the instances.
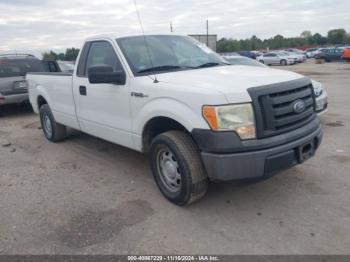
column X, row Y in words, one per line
column 169, row 170
column 47, row 125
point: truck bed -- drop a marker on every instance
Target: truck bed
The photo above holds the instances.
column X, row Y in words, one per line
column 57, row 88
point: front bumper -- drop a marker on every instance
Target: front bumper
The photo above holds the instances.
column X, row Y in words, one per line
column 13, row 99
column 262, row 162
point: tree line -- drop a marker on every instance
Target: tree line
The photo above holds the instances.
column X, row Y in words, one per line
column 306, row 39
column 69, row 55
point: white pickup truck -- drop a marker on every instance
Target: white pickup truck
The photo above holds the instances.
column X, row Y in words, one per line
column 197, row 117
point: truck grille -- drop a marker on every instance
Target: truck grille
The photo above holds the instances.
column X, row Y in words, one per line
column 275, row 106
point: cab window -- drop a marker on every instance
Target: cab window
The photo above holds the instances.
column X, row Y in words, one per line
column 101, row 53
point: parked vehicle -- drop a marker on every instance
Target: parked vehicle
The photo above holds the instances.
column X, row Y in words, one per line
column 249, row 54
column 242, row 60
column 310, row 53
column 51, row 66
column 275, row 58
column 330, row 54
column 58, row 66
column 320, row 50
column 291, row 55
column 321, row 97
column 346, row 54
column 295, row 50
column 66, row 66
column 196, row 116
column 301, row 57
column 320, row 94
column 13, row 68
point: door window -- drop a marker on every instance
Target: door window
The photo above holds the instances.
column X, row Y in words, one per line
column 101, row 53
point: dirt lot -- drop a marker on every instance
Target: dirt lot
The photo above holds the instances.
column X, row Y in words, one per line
column 85, row 195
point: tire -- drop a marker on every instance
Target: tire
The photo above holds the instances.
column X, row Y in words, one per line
column 262, row 61
column 283, row 62
column 175, row 154
column 53, row 131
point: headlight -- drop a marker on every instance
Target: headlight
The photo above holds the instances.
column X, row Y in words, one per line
column 239, row 118
column 317, row 86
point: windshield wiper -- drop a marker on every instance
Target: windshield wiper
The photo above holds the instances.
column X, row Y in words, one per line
column 210, row 64
column 164, row 68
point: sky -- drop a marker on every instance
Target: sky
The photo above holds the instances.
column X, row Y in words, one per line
column 36, row 26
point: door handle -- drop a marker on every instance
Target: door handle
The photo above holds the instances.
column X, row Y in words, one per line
column 82, row 90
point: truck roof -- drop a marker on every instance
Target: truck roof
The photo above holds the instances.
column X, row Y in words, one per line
column 115, row 36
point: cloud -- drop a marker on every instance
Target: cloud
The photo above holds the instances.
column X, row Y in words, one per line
column 36, row 26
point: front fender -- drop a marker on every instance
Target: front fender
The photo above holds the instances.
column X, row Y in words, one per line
column 168, row 107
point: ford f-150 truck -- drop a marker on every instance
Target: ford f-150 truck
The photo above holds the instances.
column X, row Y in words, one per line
column 197, row 117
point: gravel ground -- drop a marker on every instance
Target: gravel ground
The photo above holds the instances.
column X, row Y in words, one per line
column 88, row 196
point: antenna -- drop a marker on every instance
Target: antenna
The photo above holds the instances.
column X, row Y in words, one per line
column 207, row 33
column 145, row 40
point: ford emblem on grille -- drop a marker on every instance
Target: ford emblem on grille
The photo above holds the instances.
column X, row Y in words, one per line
column 298, row 106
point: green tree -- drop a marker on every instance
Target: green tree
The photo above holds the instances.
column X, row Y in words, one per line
column 50, row 55
column 306, row 34
column 71, row 54
column 317, row 38
column 337, row 36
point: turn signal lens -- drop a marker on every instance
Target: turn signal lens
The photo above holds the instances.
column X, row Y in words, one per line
column 209, row 113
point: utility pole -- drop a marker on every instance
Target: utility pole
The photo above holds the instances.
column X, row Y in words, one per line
column 208, row 33
column 171, row 26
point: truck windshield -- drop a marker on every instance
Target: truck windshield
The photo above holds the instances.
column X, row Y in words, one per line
column 164, row 53
column 19, row 67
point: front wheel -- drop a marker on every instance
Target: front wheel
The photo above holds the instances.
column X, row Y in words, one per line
column 53, row 131
column 177, row 168
column 283, row 62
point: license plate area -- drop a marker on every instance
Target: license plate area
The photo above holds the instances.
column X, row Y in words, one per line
column 305, row 151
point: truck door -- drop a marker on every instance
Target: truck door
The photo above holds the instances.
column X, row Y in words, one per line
column 102, row 109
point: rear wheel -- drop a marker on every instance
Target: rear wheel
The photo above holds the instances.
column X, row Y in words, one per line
column 283, row 62
column 177, row 168
column 53, row 131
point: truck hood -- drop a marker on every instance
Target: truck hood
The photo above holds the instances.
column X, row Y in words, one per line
column 231, row 81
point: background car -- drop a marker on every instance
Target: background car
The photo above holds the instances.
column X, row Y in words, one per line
column 242, row 60
column 295, row 50
column 54, row 66
column 249, row 54
column 274, row 58
column 301, row 57
column 321, row 97
column 66, row 66
column 310, row 53
column 330, row 54
column 289, row 54
column 346, row 54
column 13, row 68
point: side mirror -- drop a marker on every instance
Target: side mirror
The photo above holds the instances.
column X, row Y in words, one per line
column 105, row 75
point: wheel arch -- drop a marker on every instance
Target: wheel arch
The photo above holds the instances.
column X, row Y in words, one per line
column 41, row 100
column 157, row 125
